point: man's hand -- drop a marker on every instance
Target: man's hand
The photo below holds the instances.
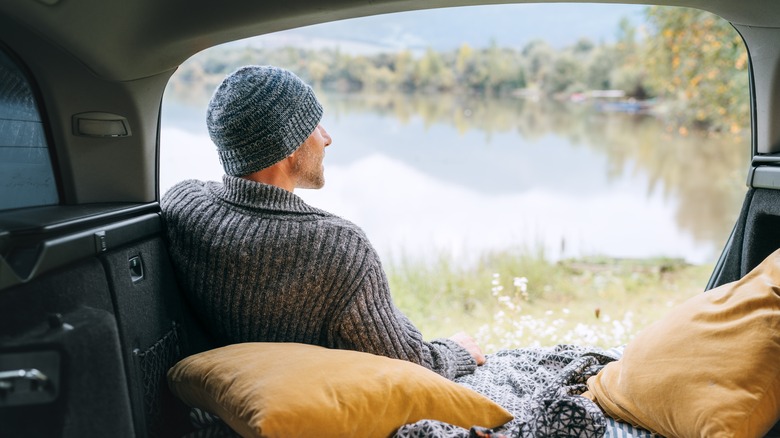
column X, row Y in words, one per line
column 470, row 345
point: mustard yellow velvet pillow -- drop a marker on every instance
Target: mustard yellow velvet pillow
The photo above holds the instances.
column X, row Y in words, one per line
column 710, row 368
column 288, row 389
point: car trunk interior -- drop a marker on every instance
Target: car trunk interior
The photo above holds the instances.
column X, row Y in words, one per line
column 89, row 298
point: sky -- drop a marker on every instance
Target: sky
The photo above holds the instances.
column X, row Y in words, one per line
column 560, row 24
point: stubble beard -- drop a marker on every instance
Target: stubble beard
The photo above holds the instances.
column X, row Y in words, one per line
column 311, row 173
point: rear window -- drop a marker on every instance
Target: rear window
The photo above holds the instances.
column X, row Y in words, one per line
column 533, row 174
column 26, row 175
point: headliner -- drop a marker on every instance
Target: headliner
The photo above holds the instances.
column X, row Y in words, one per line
column 131, row 39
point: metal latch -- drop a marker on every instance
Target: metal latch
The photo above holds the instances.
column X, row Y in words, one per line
column 30, row 380
column 29, row 377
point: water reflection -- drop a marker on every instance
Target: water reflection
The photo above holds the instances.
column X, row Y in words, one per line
column 463, row 175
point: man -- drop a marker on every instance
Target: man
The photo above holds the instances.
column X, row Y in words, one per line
column 259, row 264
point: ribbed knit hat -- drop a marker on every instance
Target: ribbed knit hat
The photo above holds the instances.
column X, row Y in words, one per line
column 258, row 116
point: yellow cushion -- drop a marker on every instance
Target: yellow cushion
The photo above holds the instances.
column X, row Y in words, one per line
column 709, row 368
column 288, row 389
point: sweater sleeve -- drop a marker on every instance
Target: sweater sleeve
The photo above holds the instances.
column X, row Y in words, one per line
column 371, row 323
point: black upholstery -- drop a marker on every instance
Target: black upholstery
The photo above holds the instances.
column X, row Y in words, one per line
column 755, row 236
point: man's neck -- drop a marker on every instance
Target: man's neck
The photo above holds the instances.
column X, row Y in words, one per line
column 276, row 175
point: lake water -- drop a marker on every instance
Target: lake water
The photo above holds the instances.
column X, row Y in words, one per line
column 459, row 176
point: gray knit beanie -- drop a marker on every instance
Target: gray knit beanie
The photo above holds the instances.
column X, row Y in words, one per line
column 258, row 116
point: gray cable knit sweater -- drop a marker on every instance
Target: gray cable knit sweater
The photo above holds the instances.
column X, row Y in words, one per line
column 259, row 264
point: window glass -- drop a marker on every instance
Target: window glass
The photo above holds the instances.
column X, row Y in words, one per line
column 26, row 175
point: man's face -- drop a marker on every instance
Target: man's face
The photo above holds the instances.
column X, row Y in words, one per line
column 308, row 160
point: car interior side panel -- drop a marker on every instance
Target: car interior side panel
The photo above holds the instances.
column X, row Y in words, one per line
column 755, row 236
column 60, row 326
column 103, row 331
column 156, row 332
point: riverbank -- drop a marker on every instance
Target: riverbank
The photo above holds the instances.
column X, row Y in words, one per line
column 512, row 299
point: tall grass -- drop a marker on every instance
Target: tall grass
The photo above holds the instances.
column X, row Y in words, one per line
column 516, row 298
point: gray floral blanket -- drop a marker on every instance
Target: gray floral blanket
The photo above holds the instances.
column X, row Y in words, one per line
column 540, row 387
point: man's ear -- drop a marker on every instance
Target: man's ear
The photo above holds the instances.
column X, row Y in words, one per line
column 289, row 161
column 288, row 165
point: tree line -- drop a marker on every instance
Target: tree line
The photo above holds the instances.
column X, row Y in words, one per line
column 691, row 64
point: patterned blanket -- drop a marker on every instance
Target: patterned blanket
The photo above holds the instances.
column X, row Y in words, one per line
column 540, row 387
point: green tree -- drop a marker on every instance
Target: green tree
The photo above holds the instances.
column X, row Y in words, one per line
column 698, row 63
column 404, row 70
column 583, row 48
column 464, row 60
column 629, row 73
column 538, row 57
column 564, row 76
column 431, row 72
column 505, row 71
column 599, row 66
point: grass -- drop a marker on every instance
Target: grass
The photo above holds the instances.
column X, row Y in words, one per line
column 517, row 298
